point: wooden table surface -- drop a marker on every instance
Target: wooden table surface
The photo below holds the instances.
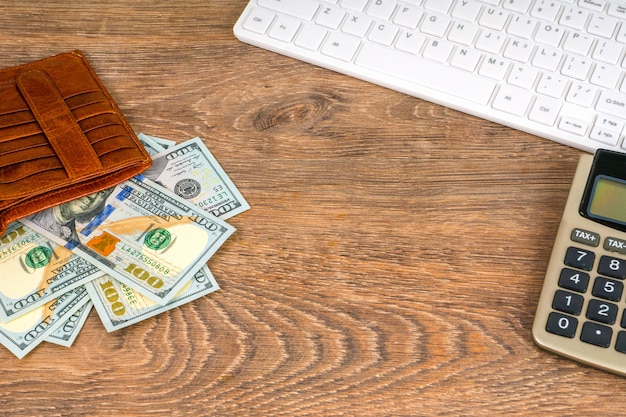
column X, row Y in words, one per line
column 390, row 265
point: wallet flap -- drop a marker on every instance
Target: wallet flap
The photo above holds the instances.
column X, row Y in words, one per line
column 59, row 125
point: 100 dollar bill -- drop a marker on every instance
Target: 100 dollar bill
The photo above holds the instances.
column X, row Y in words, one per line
column 66, row 333
column 139, row 233
column 119, row 306
column 36, row 270
column 191, row 172
column 23, row 334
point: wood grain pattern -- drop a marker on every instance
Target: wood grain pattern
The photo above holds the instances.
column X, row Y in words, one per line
column 389, row 266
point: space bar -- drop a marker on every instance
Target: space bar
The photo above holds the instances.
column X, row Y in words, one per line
column 426, row 73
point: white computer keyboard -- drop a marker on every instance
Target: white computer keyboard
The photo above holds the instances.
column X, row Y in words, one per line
column 552, row 68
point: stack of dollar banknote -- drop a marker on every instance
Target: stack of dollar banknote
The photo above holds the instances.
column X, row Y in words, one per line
column 132, row 251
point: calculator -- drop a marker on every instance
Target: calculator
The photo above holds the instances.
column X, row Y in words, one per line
column 581, row 312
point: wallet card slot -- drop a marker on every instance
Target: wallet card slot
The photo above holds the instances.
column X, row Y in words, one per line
column 28, row 142
column 37, row 160
column 105, row 134
column 95, row 122
column 110, row 144
column 92, row 110
column 16, row 118
column 11, row 133
column 85, row 99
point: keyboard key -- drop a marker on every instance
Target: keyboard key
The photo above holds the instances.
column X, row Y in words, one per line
column 607, row 52
column 357, row 25
column 466, row 10
column 568, row 302
column 381, row 9
column 512, row 100
column 562, row 325
column 303, row 9
column 575, row 126
column 284, row 29
column 574, row 17
column 341, row 46
column 519, row 50
column 547, row 58
column 490, row 41
column 520, row 6
column 259, row 21
column 574, row 280
column 581, row 94
column 330, row 16
column 356, row 5
column 612, row 267
column 605, row 136
column 579, row 258
column 576, row 67
column 545, row 111
column 466, row 59
column 596, row 334
column 545, row 9
column 493, row 18
column 440, row 6
column 383, row 34
column 426, row 73
column 494, row 67
column 523, row 76
column 595, row 5
column 463, row 33
column 605, row 76
column 522, row 26
column 435, row 25
column 552, row 85
column 408, row 16
column 549, row 34
column 620, row 343
column 612, row 103
column 602, row 26
column 438, row 50
column 310, row 37
column 578, row 43
column 608, row 289
column 410, row 42
column 602, row 311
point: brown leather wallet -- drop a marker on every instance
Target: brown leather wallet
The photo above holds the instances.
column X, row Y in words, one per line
column 61, row 136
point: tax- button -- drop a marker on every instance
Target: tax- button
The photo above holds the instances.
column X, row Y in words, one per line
column 613, row 244
column 585, row 237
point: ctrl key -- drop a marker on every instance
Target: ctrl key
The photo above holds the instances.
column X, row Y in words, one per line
column 562, row 325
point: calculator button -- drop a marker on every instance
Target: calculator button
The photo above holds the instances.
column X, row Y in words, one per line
column 612, row 267
column 579, row 258
column 568, row 302
column 613, row 244
column 620, row 343
column 607, row 289
column 571, row 279
column 596, row 334
column 561, row 324
column 602, row 311
column 585, row 237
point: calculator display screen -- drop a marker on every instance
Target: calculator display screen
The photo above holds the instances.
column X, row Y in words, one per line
column 608, row 200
